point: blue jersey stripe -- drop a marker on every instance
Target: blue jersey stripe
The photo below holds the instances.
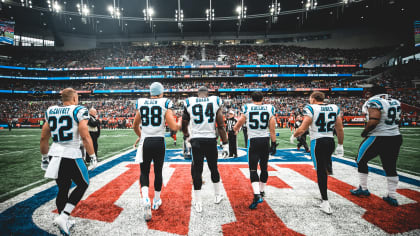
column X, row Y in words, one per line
column 167, row 103
column 364, row 147
column 75, row 111
column 377, row 102
column 310, row 109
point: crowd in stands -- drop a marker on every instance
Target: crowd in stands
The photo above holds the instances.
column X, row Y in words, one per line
column 88, row 85
column 178, row 54
column 119, row 106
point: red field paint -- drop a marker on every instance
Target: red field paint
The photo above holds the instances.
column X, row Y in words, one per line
column 390, row 219
column 174, row 214
column 261, row 221
column 100, row 204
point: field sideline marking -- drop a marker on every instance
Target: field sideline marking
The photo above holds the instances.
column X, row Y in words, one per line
column 23, row 187
column 19, row 151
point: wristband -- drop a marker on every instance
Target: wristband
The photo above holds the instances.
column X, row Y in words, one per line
column 93, row 156
column 224, row 143
column 44, row 156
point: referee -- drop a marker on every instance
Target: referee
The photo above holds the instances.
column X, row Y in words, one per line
column 230, row 123
column 94, row 126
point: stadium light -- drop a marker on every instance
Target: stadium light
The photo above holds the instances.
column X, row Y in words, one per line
column 83, row 9
column 274, row 10
column 57, row 7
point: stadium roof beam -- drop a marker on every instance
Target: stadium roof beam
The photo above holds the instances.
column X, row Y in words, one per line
column 203, row 19
column 148, row 13
column 274, row 10
column 210, row 16
column 241, row 11
column 179, row 16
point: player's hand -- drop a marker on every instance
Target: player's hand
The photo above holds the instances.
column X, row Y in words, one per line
column 339, row 151
column 292, row 139
column 364, row 134
column 273, row 148
column 187, row 143
column 225, row 152
column 45, row 161
column 93, row 161
column 134, row 146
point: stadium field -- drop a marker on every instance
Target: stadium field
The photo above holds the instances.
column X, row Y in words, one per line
column 20, row 157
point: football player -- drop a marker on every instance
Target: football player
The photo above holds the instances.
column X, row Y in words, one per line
column 381, row 137
column 151, row 115
column 321, row 119
column 63, row 161
column 200, row 114
column 261, row 123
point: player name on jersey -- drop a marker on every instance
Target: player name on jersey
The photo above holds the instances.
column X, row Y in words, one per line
column 59, row 111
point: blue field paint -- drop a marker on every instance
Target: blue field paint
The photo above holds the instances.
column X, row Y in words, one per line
column 17, row 220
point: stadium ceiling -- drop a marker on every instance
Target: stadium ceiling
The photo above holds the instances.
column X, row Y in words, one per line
column 126, row 17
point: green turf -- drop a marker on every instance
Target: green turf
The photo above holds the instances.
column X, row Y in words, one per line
column 20, row 156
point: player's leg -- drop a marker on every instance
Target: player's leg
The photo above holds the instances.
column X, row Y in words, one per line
column 158, row 160
column 212, row 156
column 264, row 155
column 304, row 143
column 389, row 156
column 253, row 159
column 148, row 153
column 197, row 171
column 64, row 183
column 369, row 148
column 323, row 150
column 231, row 139
column 77, row 172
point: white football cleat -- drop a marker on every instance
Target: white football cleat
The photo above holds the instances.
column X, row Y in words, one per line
column 198, row 206
column 147, row 210
column 218, row 198
column 156, row 204
column 63, row 225
column 325, row 207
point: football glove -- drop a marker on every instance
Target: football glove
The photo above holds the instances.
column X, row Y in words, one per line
column 93, row 162
column 292, row 139
column 273, row 147
column 45, row 161
column 225, row 152
column 339, row 151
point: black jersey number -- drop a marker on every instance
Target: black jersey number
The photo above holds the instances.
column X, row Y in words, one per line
column 394, row 115
column 262, row 122
column 324, row 126
column 64, row 124
column 197, row 111
column 151, row 115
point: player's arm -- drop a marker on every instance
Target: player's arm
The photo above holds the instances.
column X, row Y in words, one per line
column 87, row 140
column 272, row 127
column 173, row 125
column 374, row 118
column 307, row 120
column 240, row 123
column 185, row 122
column 45, row 137
column 339, row 130
column 136, row 124
column 221, row 126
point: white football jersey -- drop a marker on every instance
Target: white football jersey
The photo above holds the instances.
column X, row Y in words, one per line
column 202, row 113
column 390, row 115
column 258, row 119
column 152, row 113
column 323, row 119
column 64, row 126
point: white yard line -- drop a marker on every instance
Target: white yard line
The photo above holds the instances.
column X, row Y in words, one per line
column 19, row 151
column 23, row 187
